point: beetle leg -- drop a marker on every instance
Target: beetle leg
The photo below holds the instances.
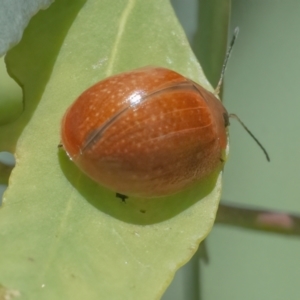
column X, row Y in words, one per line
column 122, row 197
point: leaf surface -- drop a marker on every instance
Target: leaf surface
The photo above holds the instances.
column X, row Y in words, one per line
column 61, row 235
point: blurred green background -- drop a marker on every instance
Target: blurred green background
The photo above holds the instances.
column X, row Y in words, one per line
column 261, row 86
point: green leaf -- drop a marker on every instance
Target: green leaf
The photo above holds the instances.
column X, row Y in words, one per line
column 5, row 171
column 11, row 105
column 210, row 40
column 61, row 235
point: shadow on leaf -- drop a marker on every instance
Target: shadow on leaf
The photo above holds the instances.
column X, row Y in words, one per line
column 139, row 211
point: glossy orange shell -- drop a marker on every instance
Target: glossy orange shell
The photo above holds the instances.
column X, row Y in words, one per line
column 148, row 132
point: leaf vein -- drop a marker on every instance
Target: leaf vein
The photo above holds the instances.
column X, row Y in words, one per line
column 122, row 25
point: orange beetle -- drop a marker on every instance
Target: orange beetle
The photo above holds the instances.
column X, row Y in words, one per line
column 149, row 132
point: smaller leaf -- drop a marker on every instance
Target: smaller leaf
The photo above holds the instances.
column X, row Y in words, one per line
column 14, row 17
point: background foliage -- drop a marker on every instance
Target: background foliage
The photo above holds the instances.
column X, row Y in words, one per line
column 261, row 86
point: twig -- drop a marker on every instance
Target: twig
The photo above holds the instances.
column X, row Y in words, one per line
column 258, row 219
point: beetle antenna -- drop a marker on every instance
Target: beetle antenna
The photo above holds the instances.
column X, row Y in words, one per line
column 234, row 116
column 235, row 34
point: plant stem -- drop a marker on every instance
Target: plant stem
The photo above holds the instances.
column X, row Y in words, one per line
column 258, row 219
